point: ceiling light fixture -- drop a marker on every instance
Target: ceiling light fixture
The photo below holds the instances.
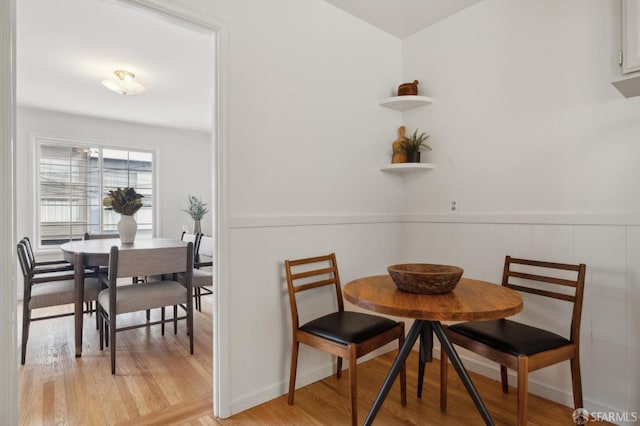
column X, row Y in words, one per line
column 124, row 84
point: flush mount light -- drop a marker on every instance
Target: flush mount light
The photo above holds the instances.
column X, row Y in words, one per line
column 124, row 84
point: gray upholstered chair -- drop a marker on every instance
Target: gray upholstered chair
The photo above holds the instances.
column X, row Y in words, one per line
column 203, row 255
column 47, row 289
column 191, row 238
column 120, row 299
column 203, row 278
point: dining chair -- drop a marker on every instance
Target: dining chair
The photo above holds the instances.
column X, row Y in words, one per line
column 344, row 334
column 191, row 238
column 116, row 300
column 523, row 347
column 89, row 236
column 202, row 279
column 45, row 290
column 56, row 265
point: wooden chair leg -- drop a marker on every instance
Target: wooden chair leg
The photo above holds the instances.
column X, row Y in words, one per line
column 444, row 370
column 162, row 319
column 523, row 382
column 26, row 321
column 353, row 384
column 292, row 374
column 112, row 337
column 339, row 368
column 190, row 326
column 504, row 378
column 403, row 370
column 175, row 319
column 576, row 381
column 100, row 329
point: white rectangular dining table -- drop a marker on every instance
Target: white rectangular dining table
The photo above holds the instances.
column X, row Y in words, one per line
column 88, row 253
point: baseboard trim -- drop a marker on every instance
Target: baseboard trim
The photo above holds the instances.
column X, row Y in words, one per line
column 281, row 388
column 561, row 396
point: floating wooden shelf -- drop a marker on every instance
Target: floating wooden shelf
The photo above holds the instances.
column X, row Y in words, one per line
column 403, row 103
column 406, row 167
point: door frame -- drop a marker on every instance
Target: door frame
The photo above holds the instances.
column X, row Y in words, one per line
column 220, row 218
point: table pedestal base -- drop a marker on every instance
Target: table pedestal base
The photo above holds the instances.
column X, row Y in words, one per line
column 423, row 328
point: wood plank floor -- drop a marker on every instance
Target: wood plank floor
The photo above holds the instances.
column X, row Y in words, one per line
column 158, row 382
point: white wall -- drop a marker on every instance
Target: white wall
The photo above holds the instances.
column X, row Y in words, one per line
column 522, row 94
column 540, row 152
column 525, row 119
column 306, row 138
column 526, row 130
column 183, row 162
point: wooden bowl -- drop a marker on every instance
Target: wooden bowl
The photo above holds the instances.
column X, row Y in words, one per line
column 425, row 278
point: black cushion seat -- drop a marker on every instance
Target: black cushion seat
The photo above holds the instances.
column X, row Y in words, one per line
column 510, row 336
column 348, row 327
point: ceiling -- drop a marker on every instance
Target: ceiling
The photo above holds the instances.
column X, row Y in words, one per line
column 65, row 48
column 402, row 18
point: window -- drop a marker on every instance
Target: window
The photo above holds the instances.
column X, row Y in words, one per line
column 72, row 181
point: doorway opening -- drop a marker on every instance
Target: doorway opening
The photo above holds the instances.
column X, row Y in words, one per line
column 169, row 224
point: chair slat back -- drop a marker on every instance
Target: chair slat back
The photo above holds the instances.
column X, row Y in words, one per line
column 319, row 276
column 206, row 245
column 136, row 263
column 25, row 265
column 191, row 238
column 88, row 236
column 29, row 251
column 551, row 270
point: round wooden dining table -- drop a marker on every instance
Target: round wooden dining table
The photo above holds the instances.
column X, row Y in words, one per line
column 471, row 300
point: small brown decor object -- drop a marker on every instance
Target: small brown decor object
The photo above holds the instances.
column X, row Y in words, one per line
column 425, row 278
column 406, row 89
column 398, row 154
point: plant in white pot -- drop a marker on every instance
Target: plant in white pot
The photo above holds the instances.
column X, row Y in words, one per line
column 413, row 144
column 197, row 209
column 127, row 202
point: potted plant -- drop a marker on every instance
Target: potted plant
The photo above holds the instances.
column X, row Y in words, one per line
column 126, row 202
column 412, row 146
column 197, row 209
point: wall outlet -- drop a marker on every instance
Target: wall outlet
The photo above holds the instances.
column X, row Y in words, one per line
column 453, row 205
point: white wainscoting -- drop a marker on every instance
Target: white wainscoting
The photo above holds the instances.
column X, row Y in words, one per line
column 606, row 244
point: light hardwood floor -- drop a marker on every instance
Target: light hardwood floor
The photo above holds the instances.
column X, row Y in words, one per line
column 158, row 382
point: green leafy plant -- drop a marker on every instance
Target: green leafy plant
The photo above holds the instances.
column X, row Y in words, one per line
column 125, row 201
column 197, row 209
column 414, row 143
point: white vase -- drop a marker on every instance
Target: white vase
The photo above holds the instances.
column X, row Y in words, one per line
column 127, row 228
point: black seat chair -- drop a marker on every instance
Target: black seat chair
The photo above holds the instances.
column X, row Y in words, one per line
column 342, row 333
column 522, row 347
